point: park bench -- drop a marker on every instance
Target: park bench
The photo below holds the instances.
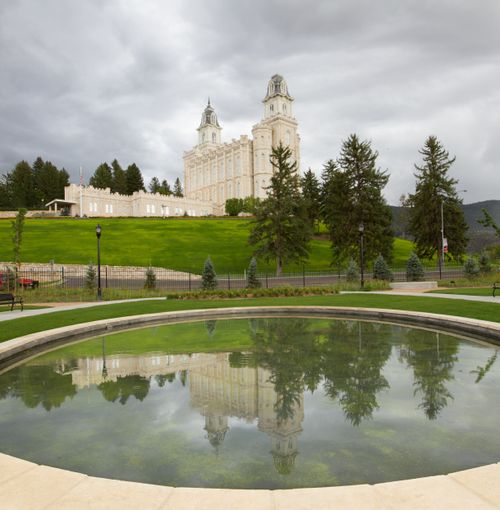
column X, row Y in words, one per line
column 495, row 287
column 11, row 299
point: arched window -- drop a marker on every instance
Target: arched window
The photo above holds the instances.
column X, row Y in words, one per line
column 214, row 137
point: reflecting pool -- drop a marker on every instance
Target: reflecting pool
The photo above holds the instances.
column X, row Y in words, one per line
column 257, row 403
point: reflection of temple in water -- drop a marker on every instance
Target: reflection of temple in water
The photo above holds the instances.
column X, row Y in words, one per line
column 217, row 390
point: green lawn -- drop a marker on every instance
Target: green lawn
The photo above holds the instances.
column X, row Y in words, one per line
column 176, row 243
column 468, row 291
column 462, row 308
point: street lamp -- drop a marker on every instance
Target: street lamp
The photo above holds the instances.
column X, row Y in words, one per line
column 98, row 231
column 361, row 230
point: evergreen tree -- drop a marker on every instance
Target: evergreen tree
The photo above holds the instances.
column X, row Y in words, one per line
column 414, row 269
column 119, row 184
column 5, row 198
column 90, row 276
column 484, row 263
column 381, row 270
column 488, row 221
column 208, row 277
column 63, row 181
column 46, row 182
column 281, row 229
column 352, row 272
column 154, row 185
column 22, row 189
column 311, row 193
column 150, row 282
column 352, row 194
column 135, row 181
column 102, row 177
column 178, row 188
column 471, row 267
column 330, row 169
column 165, row 188
column 17, row 234
column 435, row 191
column 252, row 281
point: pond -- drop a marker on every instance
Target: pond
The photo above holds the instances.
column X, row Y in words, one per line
column 257, row 403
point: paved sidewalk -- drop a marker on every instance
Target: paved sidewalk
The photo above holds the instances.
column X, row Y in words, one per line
column 484, row 299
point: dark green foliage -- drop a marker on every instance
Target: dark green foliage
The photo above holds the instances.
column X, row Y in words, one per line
column 178, row 188
column 165, row 188
column 22, row 185
column 471, row 267
column 252, row 281
column 351, row 195
column 17, row 234
column 47, row 182
column 250, row 204
column 154, row 185
column 102, row 177
column 234, row 206
column 90, row 276
column 485, row 263
column 119, row 184
column 414, row 269
column 312, row 195
column 281, row 229
column 352, row 272
column 211, row 326
column 150, row 282
column 9, row 279
column 488, row 221
column 433, row 189
column 381, row 270
column 208, row 277
column 135, row 181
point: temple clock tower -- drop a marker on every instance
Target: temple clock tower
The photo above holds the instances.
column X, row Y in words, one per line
column 209, row 130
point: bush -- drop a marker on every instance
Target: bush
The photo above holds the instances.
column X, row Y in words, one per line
column 208, row 277
column 8, row 279
column 352, row 273
column 485, row 263
column 414, row 269
column 471, row 267
column 252, row 281
column 90, row 276
column 150, row 282
column 381, row 270
column 234, row 206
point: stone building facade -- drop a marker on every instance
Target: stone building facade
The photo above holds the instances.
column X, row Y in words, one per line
column 216, row 171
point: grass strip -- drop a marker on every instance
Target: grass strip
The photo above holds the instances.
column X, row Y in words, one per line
column 461, row 308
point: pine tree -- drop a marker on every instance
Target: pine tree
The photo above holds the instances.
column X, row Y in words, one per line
column 352, row 195
column 119, row 184
column 281, row 229
column 17, row 234
column 381, row 270
column 21, row 184
column 208, row 277
column 434, row 191
column 414, row 269
column 471, row 267
column 47, row 183
column 311, row 193
column 178, row 188
column 165, row 188
column 352, row 272
column 150, row 282
column 252, row 281
column 90, row 276
column 154, row 185
column 135, row 181
column 102, row 177
column 484, row 263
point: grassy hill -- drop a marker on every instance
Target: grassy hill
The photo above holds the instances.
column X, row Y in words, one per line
column 177, row 243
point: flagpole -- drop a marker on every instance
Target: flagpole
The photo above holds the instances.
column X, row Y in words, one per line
column 81, row 192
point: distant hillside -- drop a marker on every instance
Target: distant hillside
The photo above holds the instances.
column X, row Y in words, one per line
column 479, row 236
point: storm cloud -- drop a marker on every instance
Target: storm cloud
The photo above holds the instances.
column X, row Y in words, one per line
column 85, row 82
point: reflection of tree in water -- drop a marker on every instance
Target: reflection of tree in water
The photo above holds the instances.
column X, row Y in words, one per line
column 124, row 387
column 37, row 384
column 482, row 371
column 161, row 379
column 355, row 355
column 210, row 326
column 432, row 361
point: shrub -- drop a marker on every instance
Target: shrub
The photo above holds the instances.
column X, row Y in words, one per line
column 485, row 263
column 150, row 282
column 471, row 267
column 381, row 270
column 252, row 281
column 352, row 273
column 8, row 279
column 90, row 276
column 234, row 206
column 208, row 277
column 414, row 269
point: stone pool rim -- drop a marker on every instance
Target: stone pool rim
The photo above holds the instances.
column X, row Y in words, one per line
column 463, row 489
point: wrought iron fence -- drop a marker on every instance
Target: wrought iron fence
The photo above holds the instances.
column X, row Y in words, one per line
column 114, row 277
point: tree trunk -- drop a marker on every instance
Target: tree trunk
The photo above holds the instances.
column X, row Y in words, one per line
column 279, row 266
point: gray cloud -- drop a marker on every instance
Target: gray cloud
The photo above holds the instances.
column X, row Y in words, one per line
column 85, row 82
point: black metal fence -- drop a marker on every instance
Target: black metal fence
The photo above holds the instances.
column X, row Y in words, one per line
column 114, row 277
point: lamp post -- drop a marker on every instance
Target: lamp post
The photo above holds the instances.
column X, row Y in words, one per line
column 98, row 231
column 361, row 230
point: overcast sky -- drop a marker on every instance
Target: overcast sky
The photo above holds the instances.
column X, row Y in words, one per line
column 82, row 82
